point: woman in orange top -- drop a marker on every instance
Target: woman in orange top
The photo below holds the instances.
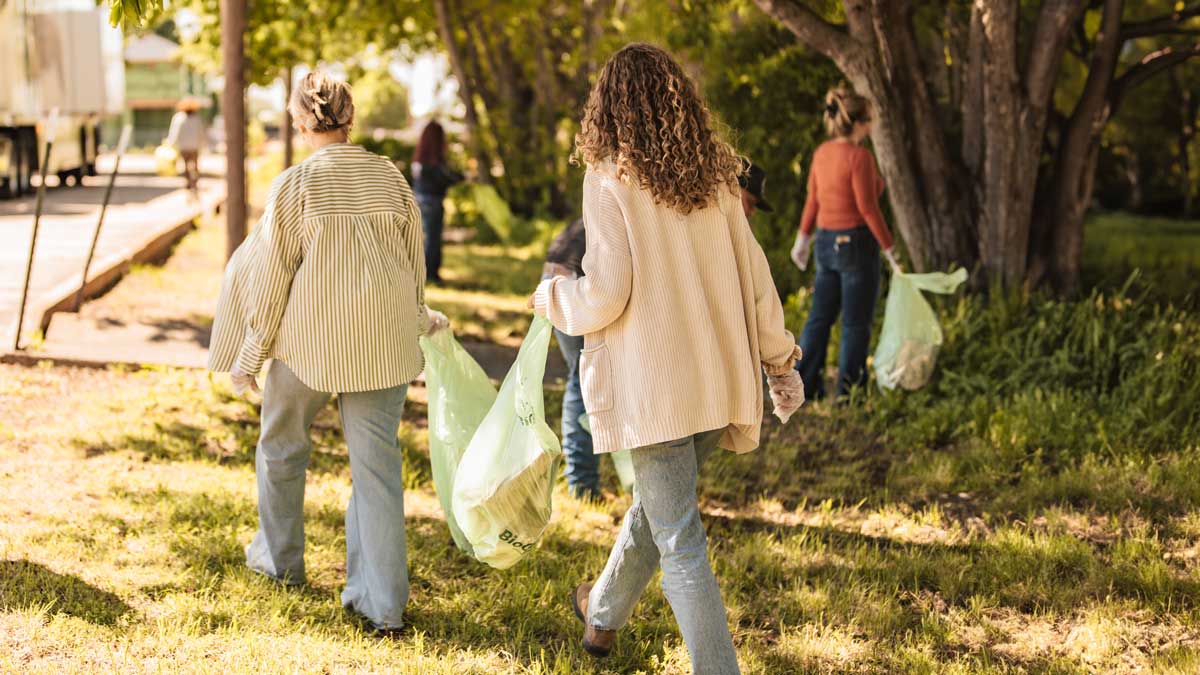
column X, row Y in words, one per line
column 843, row 207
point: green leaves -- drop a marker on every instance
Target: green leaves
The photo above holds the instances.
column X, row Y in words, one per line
column 132, row 13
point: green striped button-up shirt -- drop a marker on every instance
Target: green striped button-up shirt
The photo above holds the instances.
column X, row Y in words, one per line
column 331, row 279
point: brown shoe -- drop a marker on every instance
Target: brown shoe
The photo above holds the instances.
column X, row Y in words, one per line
column 596, row 641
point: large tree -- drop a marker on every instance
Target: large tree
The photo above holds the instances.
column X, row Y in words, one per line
column 524, row 68
column 982, row 166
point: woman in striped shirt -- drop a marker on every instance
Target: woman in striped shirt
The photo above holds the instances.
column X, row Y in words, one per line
column 680, row 317
column 330, row 283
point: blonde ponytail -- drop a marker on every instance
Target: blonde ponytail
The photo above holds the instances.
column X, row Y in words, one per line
column 322, row 104
column 843, row 109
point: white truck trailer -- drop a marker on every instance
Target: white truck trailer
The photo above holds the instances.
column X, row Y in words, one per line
column 55, row 54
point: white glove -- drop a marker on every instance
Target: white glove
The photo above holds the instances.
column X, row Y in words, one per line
column 242, row 382
column 437, row 320
column 801, row 249
column 787, row 394
column 890, row 254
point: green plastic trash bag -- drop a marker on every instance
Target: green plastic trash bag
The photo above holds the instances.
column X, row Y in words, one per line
column 505, row 479
column 622, row 460
column 460, row 395
column 494, row 210
column 911, row 335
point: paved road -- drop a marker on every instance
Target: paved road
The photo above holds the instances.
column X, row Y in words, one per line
column 143, row 208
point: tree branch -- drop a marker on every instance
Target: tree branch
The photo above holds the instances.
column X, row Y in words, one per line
column 829, row 39
column 1150, row 65
column 1169, row 23
column 1050, row 36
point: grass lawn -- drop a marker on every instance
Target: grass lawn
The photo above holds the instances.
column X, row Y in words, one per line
column 950, row 531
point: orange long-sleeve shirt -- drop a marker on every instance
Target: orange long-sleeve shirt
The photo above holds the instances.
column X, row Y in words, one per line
column 844, row 187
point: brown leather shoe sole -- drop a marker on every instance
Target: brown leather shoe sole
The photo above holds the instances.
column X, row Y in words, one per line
column 596, row 642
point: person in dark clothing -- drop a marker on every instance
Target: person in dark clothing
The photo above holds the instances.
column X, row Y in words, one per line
column 582, row 470
column 431, row 179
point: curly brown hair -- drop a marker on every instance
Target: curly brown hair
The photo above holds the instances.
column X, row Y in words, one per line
column 645, row 115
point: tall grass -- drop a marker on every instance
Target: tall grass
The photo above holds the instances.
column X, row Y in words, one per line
column 1036, row 400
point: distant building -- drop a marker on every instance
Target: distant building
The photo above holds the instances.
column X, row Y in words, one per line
column 156, row 80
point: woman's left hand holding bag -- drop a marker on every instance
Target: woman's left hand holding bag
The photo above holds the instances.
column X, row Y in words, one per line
column 242, row 382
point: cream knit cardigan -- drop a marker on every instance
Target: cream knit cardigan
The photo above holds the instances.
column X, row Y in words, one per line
column 678, row 314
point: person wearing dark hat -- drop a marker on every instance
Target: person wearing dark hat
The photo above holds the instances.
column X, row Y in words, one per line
column 754, row 187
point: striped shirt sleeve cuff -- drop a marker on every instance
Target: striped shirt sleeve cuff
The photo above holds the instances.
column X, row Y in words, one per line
column 423, row 323
column 251, row 357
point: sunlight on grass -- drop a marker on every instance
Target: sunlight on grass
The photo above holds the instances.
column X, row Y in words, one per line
column 1025, row 531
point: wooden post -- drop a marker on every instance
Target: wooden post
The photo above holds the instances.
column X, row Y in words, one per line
column 233, row 107
column 288, row 156
column 52, row 130
column 112, row 181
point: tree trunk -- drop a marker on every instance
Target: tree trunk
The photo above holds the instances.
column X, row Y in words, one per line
column 466, row 91
column 1074, row 171
column 287, row 133
column 233, row 108
column 998, row 202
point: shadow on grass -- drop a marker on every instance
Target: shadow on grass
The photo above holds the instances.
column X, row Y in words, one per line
column 456, row 601
column 230, row 436
column 490, row 269
column 25, row 584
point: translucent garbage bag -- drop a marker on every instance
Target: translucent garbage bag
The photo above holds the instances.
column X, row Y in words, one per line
column 166, row 160
column 622, row 460
column 505, row 479
column 460, row 395
column 911, row 335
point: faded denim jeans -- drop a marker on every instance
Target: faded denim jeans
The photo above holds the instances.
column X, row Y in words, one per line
column 376, row 553
column 663, row 528
column 847, row 281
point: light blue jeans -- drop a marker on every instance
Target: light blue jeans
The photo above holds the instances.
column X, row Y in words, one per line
column 376, row 550
column 663, row 528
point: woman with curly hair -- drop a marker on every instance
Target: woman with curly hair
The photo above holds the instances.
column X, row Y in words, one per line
column 679, row 316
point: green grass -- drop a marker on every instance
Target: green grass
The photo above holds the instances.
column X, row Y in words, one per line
column 1164, row 252
column 1034, row 510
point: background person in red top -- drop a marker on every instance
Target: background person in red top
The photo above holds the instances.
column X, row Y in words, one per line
column 844, row 186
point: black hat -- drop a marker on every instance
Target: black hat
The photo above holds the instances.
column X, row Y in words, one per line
column 754, row 181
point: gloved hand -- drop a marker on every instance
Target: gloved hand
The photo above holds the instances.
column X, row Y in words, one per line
column 801, row 249
column 437, row 320
column 242, row 382
column 890, row 254
column 787, row 394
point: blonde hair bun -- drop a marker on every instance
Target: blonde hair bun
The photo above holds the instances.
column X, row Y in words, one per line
column 843, row 109
column 322, row 104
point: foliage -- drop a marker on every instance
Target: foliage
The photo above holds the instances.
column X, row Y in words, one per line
column 394, row 149
column 380, row 102
column 285, row 33
column 133, row 14
column 1035, row 401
